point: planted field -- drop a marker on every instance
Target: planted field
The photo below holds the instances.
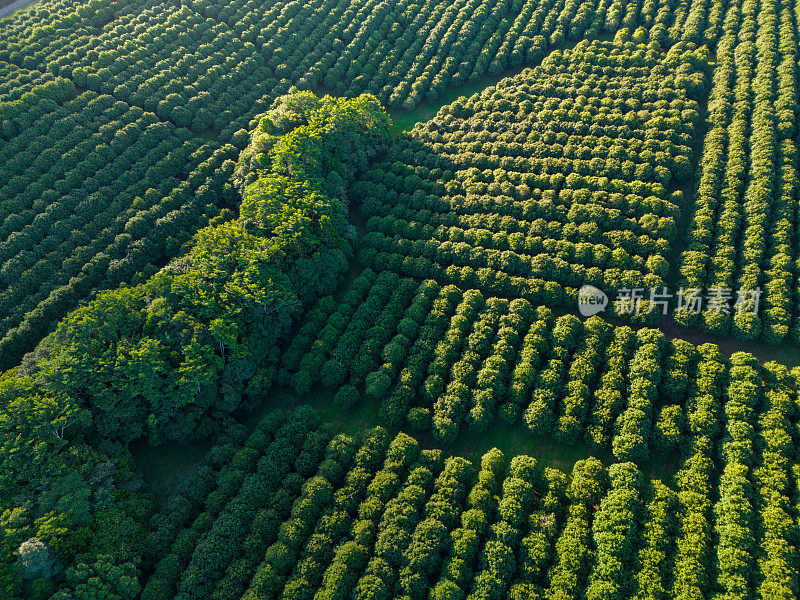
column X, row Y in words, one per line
column 206, row 214
column 94, row 192
column 203, row 65
column 324, row 515
column 742, row 230
column 441, row 360
column 209, row 70
column 556, row 178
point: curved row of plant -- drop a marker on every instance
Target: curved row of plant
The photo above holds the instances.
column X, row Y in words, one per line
column 377, row 517
column 440, row 359
column 170, row 358
column 203, row 65
column 94, row 193
column 553, row 179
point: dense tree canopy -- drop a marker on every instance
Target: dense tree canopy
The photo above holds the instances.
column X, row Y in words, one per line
column 169, row 358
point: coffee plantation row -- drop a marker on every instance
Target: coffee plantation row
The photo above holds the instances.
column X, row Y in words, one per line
column 556, row 178
column 436, row 358
column 248, row 52
column 749, row 201
column 185, row 239
column 294, row 511
column 209, row 69
column 230, row 63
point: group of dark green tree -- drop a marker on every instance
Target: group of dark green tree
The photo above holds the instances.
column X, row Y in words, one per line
column 555, row 178
column 742, row 235
column 174, row 357
column 209, row 70
column 295, row 511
